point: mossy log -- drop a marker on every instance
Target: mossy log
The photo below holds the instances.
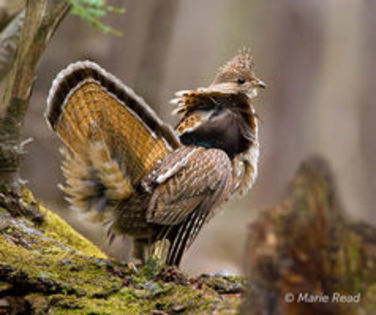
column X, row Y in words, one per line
column 47, row 267
column 305, row 256
column 304, row 245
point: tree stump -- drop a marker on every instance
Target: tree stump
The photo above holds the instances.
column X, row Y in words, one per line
column 305, row 256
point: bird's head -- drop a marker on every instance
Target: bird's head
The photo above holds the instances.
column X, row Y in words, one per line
column 237, row 76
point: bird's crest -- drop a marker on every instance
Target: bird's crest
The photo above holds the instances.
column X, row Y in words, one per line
column 243, row 61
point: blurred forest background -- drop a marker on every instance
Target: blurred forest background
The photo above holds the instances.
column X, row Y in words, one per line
column 317, row 58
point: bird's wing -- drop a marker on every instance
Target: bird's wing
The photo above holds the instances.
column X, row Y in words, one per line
column 186, row 188
column 184, row 181
column 113, row 136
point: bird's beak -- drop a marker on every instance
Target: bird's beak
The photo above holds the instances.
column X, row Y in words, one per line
column 256, row 84
column 259, row 83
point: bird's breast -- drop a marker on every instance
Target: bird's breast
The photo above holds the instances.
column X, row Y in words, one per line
column 225, row 130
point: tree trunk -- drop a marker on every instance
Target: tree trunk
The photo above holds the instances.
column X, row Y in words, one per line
column 41, row 20
column 155, row 52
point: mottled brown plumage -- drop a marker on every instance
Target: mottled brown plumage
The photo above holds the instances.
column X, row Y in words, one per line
column 223, row 116
column 124, row 166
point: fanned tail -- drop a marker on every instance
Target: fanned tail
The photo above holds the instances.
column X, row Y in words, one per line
column 113, row 137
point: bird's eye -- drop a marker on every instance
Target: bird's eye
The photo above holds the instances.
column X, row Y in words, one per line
column 241, row 80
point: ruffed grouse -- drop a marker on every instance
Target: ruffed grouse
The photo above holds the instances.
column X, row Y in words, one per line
column 127, row 168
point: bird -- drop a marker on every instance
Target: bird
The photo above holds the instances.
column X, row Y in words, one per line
column 143, row 178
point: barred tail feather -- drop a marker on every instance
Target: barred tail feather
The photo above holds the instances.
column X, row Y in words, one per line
column 178, row 238
column 113, row 136
column 94, row 184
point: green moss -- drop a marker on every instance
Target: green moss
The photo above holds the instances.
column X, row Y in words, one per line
column 369, row 300
column 354, row 273
column 63, row 273
column 57, row 228
column 151, row 268
column 224, row 284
